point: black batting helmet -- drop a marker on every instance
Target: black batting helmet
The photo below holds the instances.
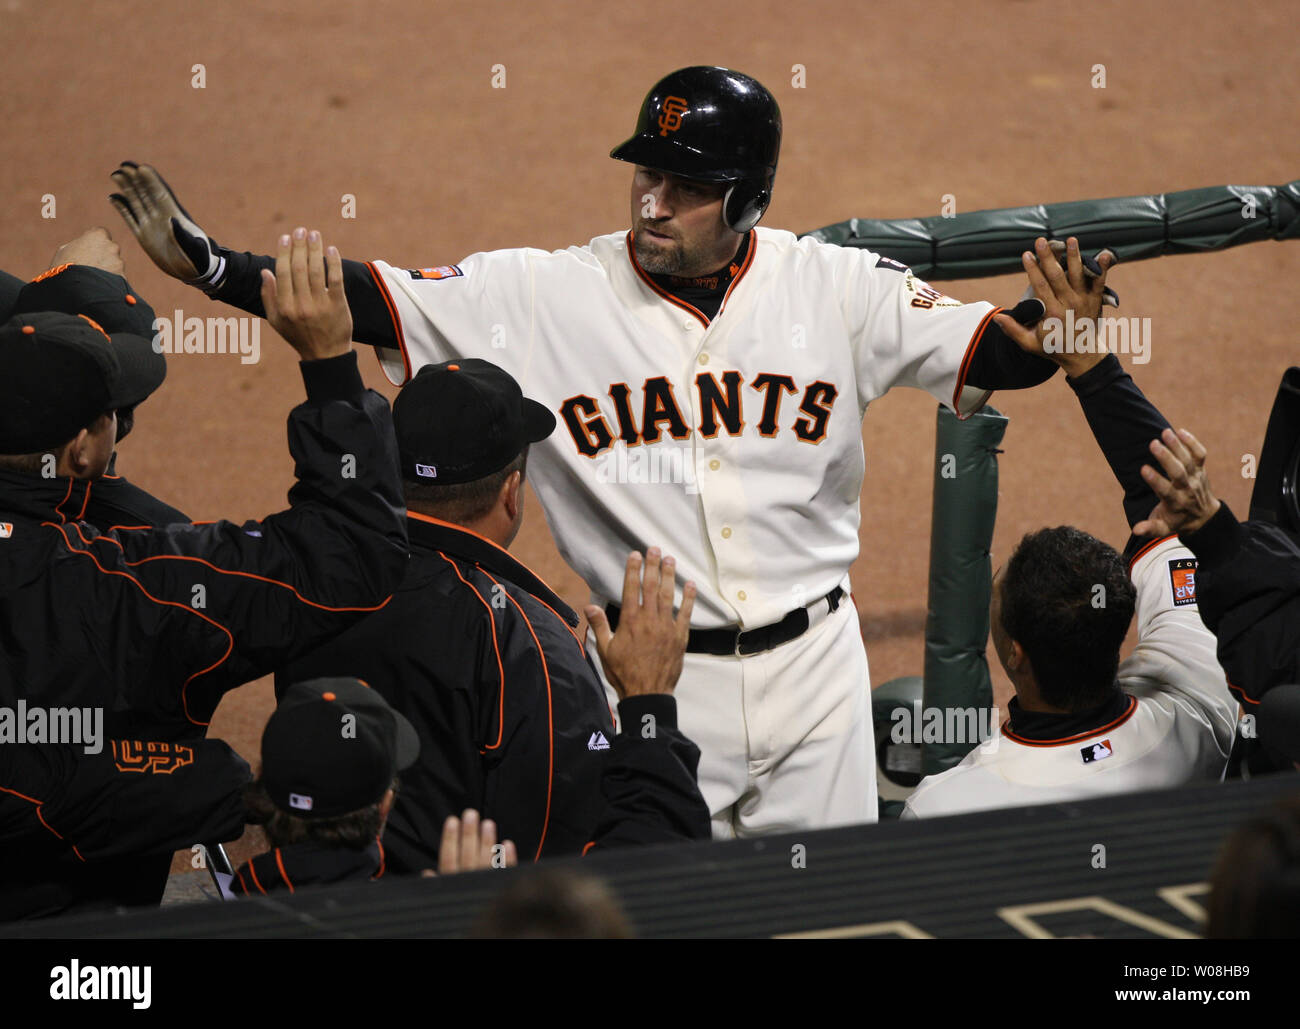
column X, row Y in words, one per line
column 716, row 125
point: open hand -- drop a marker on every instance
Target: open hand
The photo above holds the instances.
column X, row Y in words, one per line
column 1186, row 502
column 645, row 654
column 1060, row 290
column 304, row 299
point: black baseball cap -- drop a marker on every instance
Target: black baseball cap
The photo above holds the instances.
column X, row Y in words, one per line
column 58, row 373
column 333, row 747
column 462, row 420
column 106, row 299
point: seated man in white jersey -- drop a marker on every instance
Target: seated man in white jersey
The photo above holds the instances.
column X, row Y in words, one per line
column 1084, row 723
column 708, row 379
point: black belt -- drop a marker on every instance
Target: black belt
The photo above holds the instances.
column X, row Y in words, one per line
column 747, row 641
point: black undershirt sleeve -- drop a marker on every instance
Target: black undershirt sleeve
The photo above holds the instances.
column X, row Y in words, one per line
column 1124, row 423
column 372, row 324
column 1000, row 363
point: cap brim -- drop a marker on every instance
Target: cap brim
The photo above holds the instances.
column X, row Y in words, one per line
column 539, row 422
column 143, row 368
column 673, row 156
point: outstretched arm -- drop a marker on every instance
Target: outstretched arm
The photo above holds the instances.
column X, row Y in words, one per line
column 1121, row 418
column 177, row 245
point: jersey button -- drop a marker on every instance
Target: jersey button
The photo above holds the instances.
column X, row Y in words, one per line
column 726, row 534
column 704, row 359
column 742, row 595
column 714, row 465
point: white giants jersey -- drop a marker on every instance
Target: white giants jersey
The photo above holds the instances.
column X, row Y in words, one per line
column 735, row 444
column 1178, row 726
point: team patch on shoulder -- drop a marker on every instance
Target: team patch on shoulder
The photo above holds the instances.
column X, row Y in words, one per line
column 1182, row 580
column 446, row 271
column 889, row 262
column 6, row 530
column 1096, row 752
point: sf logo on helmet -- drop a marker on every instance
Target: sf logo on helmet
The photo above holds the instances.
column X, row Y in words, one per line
column 671, row 119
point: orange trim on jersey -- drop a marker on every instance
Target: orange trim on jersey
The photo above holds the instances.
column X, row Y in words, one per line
column 397, row 325
column 279, row 863
column 85, row 501
column 39, row 804
column 501, row 672
column 42, row 817
column 971, row 347
column 1146, row 547
column 252, row 870
column 550, row 726
column 587, row 846
column 1128, row 713
column 460, row 528
column 382, row 860
column 645, row 277
column 49, row 273
column 66, row 495
column 1242, row 694
column 230, row 644
column 228, row 571
column 239, row 875
column 572, row 631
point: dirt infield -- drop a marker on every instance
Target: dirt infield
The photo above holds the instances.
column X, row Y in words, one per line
column 397, row 106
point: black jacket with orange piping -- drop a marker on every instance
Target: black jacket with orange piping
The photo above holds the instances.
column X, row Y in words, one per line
column 153, row 626
column 485, row 661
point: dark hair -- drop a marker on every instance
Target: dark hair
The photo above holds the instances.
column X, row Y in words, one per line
column 1067, row 600
column 356, row 830
column 554, row 904
column 1255, row 886
column 462, row 502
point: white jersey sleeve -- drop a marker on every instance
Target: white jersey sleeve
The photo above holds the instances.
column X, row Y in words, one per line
column 907, row 333
column 1175, row 657
column 480, row 307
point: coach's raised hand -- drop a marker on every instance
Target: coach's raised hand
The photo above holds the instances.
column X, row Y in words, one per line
column 645, row 654
column 304, row 299
column 171, row 238
column 1073, row 288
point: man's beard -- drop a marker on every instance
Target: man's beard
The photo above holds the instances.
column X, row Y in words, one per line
column 659, row 259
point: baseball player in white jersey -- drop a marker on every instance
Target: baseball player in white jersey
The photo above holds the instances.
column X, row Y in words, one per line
column 1083, row 724
column 710, row 379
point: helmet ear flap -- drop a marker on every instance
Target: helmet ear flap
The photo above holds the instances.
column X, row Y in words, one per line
column 744, row 204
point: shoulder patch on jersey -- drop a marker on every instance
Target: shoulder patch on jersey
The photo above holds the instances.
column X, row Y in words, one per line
column 6, row 530
column 446, row 271
column 889, row 262
column 1096, row 752
column 1182, row 580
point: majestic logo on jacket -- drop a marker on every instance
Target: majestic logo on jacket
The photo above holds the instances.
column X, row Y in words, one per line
column 1182, row 580
column 595, row 423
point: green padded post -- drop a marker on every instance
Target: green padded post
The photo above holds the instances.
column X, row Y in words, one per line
column 957, row 622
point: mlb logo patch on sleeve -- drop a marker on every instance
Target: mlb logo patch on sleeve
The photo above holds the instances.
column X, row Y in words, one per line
column 446, row 271
column 1096, row 752
column 889, row 262
column 1182, row 580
